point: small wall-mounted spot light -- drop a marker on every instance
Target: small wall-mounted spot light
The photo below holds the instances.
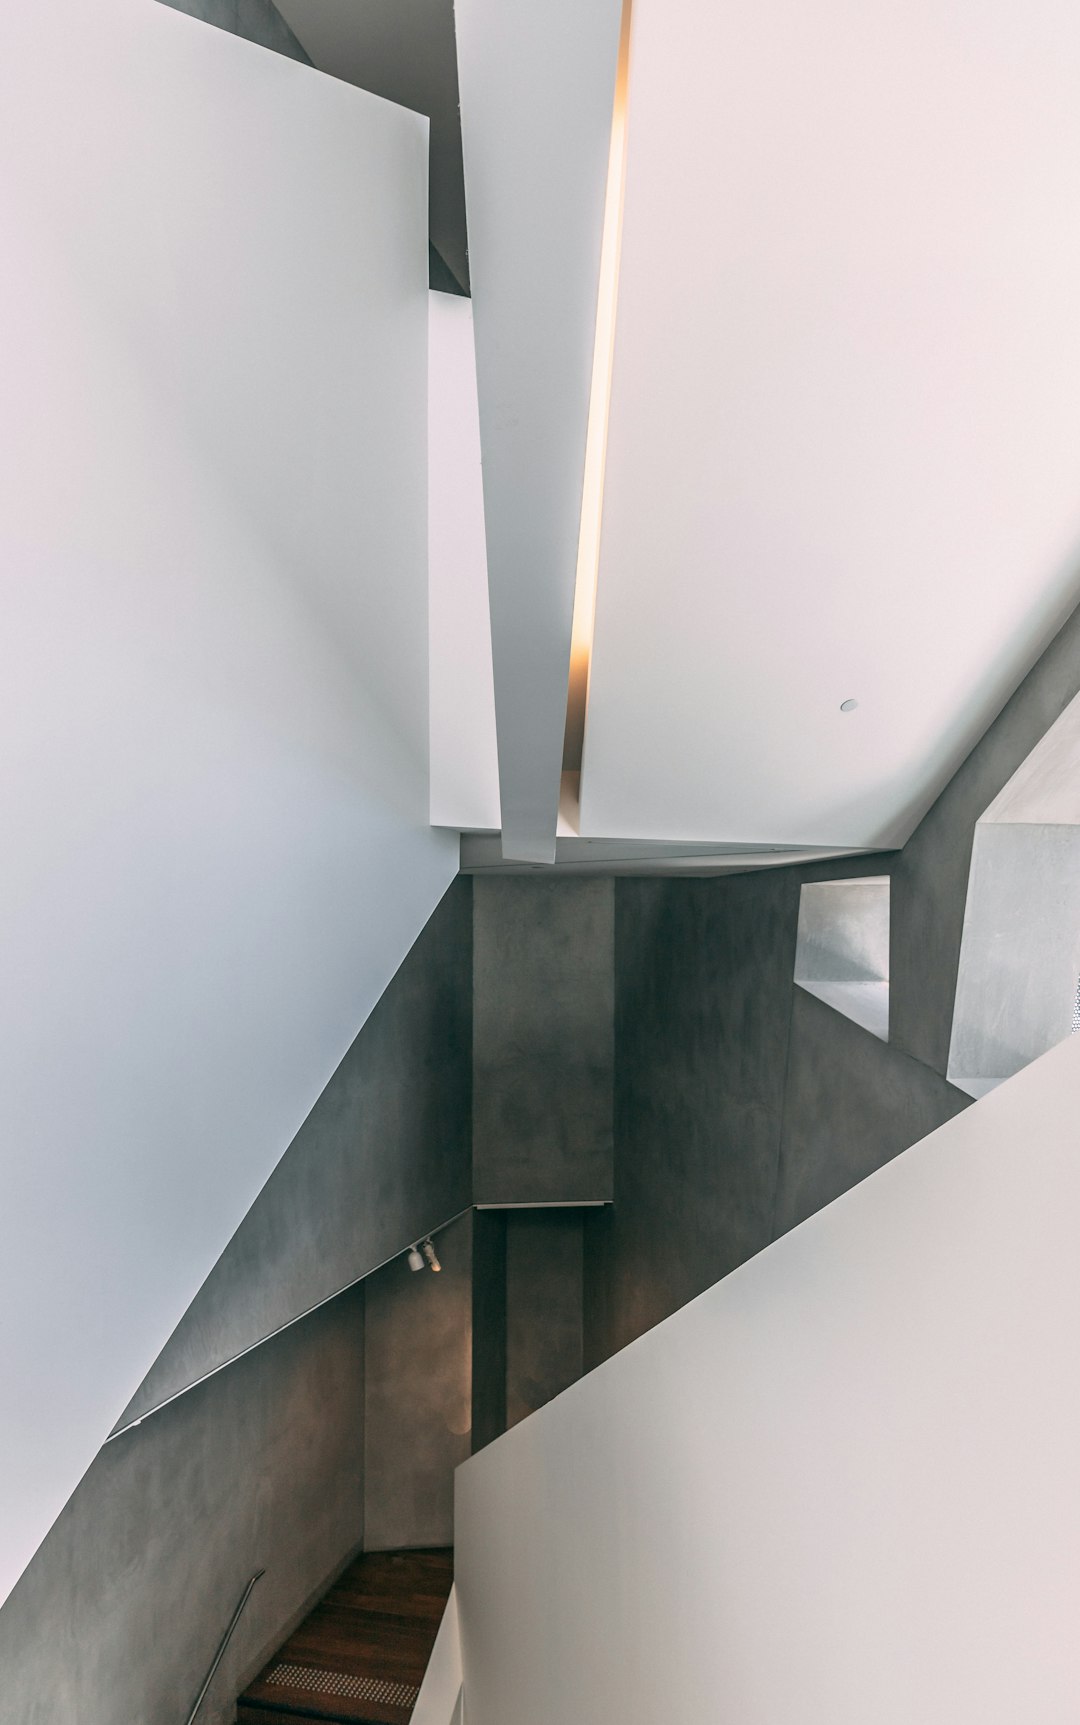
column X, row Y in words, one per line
column 429, row 1254
column 848, row 706
column 415, row 1258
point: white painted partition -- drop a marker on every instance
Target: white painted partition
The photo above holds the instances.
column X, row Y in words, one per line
column 464, row 753
column 213, row 667
column 440, row 1699
column 537, row 94
column 839, row 1488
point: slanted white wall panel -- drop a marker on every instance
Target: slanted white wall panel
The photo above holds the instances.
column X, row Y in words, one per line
column 464, row 754
column 213, row 665
column 845, row 430
column 840, row 1486
column 537, row 92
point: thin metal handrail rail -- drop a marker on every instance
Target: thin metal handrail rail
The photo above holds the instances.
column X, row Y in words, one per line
column 271, row 1335
column 225, row 1639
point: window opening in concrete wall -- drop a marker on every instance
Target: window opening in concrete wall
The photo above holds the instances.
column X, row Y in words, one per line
column 842, row 948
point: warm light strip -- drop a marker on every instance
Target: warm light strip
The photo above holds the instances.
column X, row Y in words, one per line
column 592, row 499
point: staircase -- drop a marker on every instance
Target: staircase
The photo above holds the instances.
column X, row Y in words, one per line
column 362, row 1653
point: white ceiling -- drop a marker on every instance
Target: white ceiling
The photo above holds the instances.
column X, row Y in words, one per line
column 844, row 458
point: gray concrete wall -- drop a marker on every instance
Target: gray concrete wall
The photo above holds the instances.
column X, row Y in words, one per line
column 418, row 1378
column 119, row 1615
column 544, row 1307
column 543, row 1044
column 703, row 986
column 930, row 875
column 851, row 1103
column 489, row 1327
column 742, row 1105
column 383, row 1157
column 257, row 20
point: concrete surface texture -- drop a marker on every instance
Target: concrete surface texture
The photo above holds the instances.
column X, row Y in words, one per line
column 842, row 950
column 703, row 987
column 121, row 1611
column 382, row 1158
column 418, row 1390
column 489, row 1327
column 1020, row 956
column 543, row 1040
column 930, row 875
column 544, row 1307
column 742, row 1103
column 850, row 1104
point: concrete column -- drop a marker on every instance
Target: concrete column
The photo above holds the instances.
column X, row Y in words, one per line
column 543, row 1040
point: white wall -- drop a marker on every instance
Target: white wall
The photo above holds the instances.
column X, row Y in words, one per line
column 213, row 662
column 839, row 1487
column 464, row 755
column 845, row 432
column 439, row 1700
column 537, row 92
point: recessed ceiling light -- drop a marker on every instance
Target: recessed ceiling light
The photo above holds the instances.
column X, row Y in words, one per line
column 848, row 706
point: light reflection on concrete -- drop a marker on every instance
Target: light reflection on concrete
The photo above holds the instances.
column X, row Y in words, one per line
column 842, row 948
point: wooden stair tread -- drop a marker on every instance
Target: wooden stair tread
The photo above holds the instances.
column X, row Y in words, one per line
column 361, row 1654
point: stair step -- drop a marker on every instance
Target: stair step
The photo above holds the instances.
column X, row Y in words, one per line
column 249, row 1714
column 360, row 1657
column 254, row 1713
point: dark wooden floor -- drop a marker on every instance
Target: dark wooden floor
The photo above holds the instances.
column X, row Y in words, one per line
column 362, row 1653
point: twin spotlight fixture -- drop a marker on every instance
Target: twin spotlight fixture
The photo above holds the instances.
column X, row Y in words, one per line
column 421, row 1254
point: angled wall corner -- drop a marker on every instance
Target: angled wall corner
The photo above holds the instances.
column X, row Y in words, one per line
column 842, row 948
column 1016, row 991
column 537, row 98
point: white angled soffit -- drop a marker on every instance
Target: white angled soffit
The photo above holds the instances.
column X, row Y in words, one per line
column 537, row 91
column 844, row 450
column 213, row 668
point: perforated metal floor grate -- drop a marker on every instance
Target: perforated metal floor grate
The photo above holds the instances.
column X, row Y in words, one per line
column 316, row 1682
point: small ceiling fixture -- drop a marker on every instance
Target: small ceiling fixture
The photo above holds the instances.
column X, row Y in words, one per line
column 848, row 706
column 415, row 1258
column 429, row 1254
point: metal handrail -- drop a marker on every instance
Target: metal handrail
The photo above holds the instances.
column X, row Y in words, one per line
column 225, row 1639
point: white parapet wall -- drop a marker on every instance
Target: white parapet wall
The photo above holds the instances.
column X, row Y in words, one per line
column 213, row 667
column 440, row 1699
column 839, row 1487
